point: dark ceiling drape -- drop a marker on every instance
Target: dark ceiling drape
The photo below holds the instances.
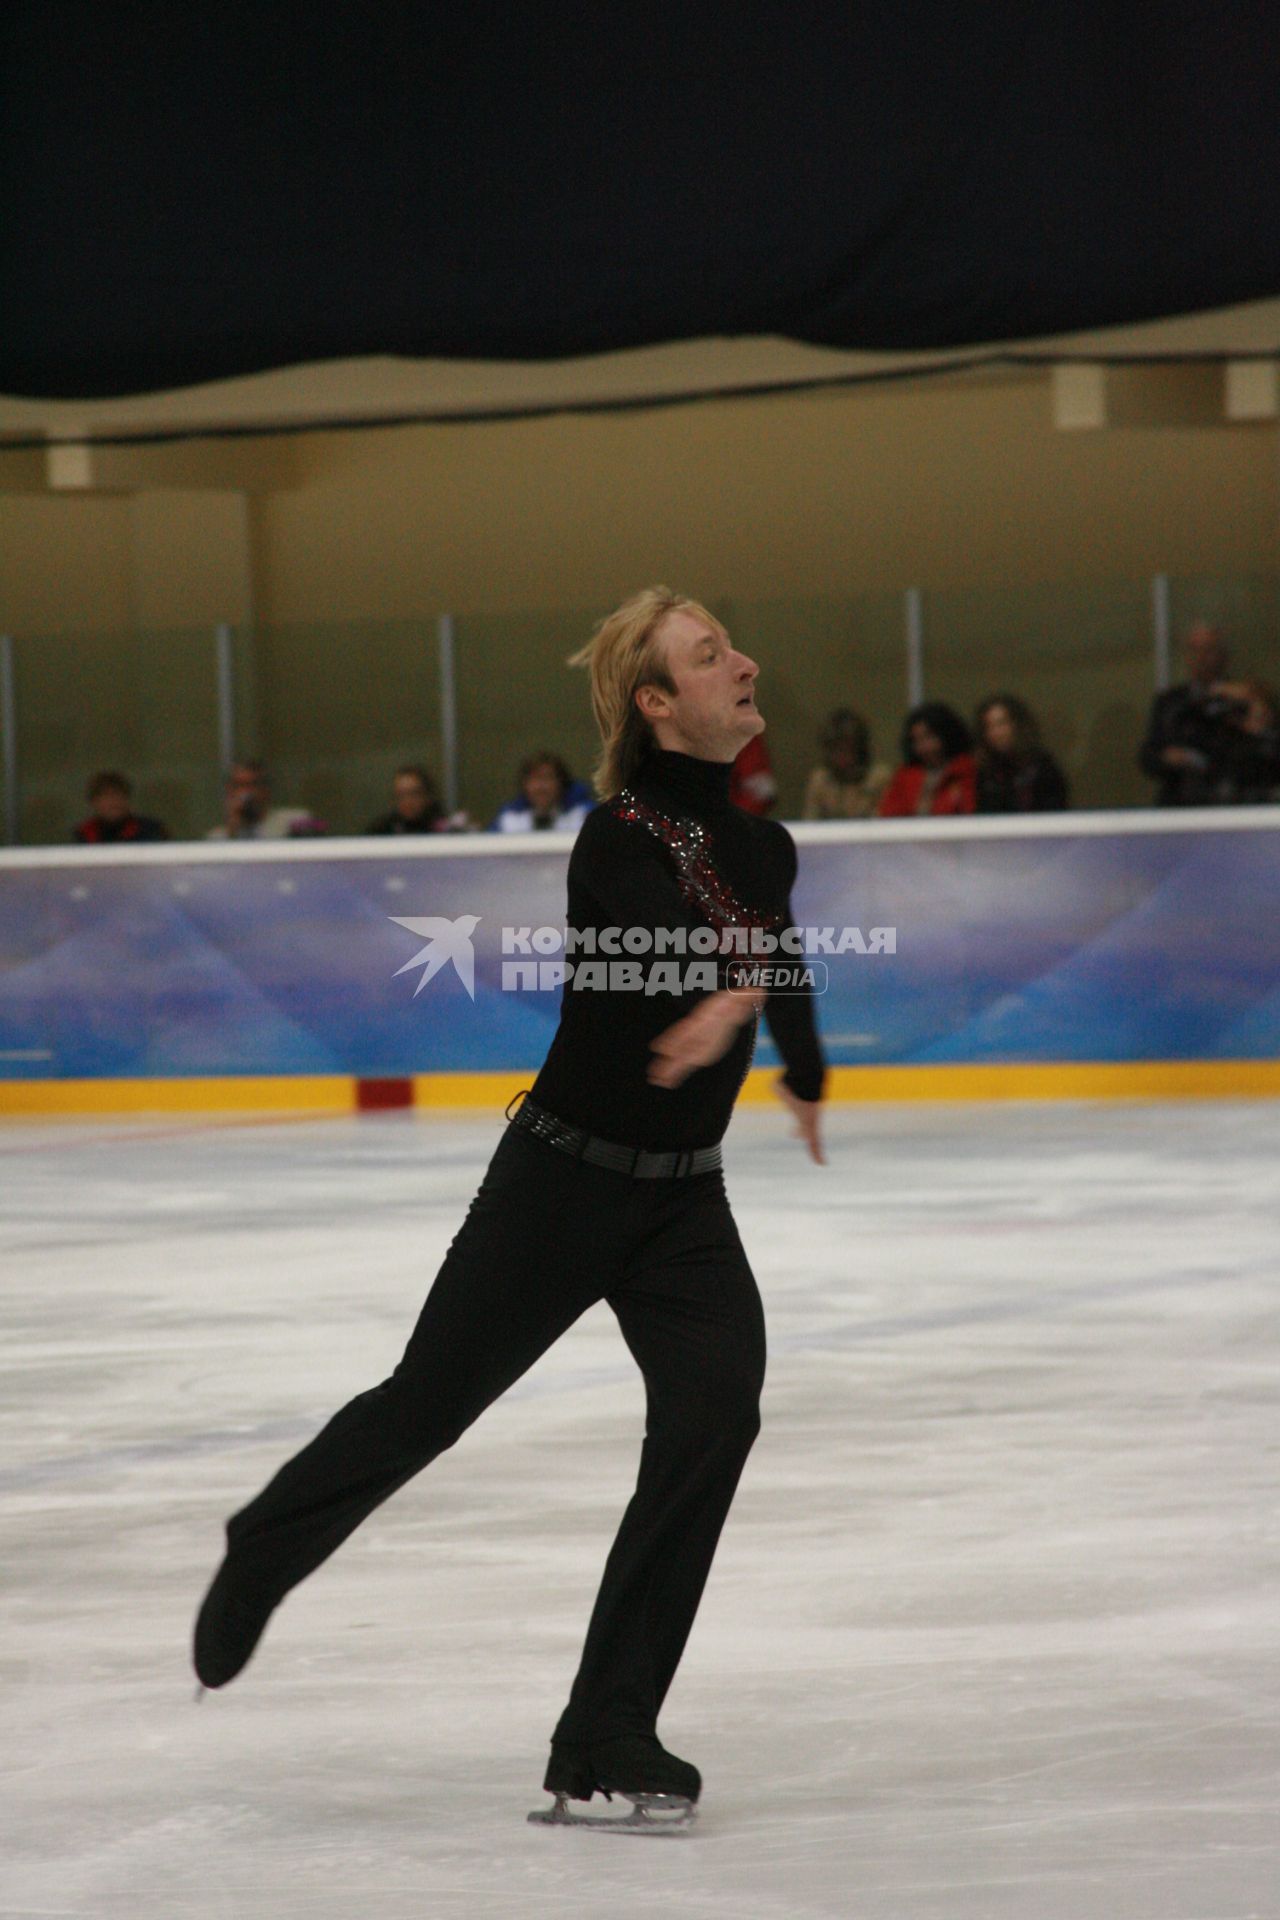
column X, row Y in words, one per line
column 192, row 193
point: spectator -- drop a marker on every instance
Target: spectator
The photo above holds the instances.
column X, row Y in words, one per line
column 751, row 784
column 548, row 797
column 846, row 786
column 1193, row 728
column 249, row 814
column 111, row 818
column 938, row 771
column 416, row 805
column 1015, row 772
column 1250, row 760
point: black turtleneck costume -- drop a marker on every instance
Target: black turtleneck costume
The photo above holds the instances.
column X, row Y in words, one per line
column 548, row 1236
column 636, row 864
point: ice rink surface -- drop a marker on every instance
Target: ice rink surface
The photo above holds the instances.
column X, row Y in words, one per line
column 993, row 1628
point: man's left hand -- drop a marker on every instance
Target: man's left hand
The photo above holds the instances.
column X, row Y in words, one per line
column 805, row 1113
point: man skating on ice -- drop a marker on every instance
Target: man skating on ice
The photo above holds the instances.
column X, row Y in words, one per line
column 605, row 1185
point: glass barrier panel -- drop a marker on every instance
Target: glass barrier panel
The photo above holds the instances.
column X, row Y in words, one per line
column 516, row 696
column 1081, row 656
column 143, row 704
column 334, row 707
column 1245, row 606
column 817, row 654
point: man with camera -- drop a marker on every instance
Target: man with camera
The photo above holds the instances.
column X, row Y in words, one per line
column 1195, row 733
column 248, row 813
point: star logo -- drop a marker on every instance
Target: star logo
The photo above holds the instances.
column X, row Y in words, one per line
column 446, row 940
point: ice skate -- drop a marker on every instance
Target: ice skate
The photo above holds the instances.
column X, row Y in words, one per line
column 662, row 1789
column 229, row 1626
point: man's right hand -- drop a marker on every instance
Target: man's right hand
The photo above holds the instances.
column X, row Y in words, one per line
column 701, row 1037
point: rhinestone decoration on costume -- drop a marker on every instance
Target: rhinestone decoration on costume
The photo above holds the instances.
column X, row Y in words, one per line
column 690, row 845
column 701, row 886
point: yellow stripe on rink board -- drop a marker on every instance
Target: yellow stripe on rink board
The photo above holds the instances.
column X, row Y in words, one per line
column 492, row 1092
column 1046, row 1080
column 1050, row 1080
column 275, row 1093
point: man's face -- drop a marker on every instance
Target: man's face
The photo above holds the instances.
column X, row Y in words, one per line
column 1206, row 654
column 245, row 787
column 712, row 714
column 111, row 805
column 410, row 796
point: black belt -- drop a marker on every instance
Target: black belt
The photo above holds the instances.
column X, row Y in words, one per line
column 637, row 1161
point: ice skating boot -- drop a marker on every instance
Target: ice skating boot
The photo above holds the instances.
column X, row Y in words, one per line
column 662, row 1789
column 229, row 1626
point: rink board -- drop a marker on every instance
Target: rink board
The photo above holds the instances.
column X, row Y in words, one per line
column 1076, row 956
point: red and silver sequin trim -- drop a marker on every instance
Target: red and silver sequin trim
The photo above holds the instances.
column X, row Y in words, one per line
column 690, row 845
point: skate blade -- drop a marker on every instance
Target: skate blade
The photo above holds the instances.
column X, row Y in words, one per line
column 653, row 1814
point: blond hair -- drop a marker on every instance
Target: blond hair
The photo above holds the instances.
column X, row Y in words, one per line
column 623, row 654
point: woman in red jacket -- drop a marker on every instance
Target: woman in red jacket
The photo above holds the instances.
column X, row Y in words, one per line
column 939, row 774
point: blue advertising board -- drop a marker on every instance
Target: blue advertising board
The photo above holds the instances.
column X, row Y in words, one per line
column 1102, row 938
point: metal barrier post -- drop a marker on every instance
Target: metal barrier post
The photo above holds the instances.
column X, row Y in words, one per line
column 1161, row 623
column 224, row 644
column 447, row 637
column 914, row 608
column 9, row 739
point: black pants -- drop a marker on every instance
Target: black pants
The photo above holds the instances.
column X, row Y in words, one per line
column 545, row 1238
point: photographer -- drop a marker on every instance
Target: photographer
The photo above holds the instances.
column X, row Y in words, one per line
column 1193, row 732
column 249, row 815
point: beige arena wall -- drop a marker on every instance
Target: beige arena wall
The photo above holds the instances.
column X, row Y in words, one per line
column 932, row 484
